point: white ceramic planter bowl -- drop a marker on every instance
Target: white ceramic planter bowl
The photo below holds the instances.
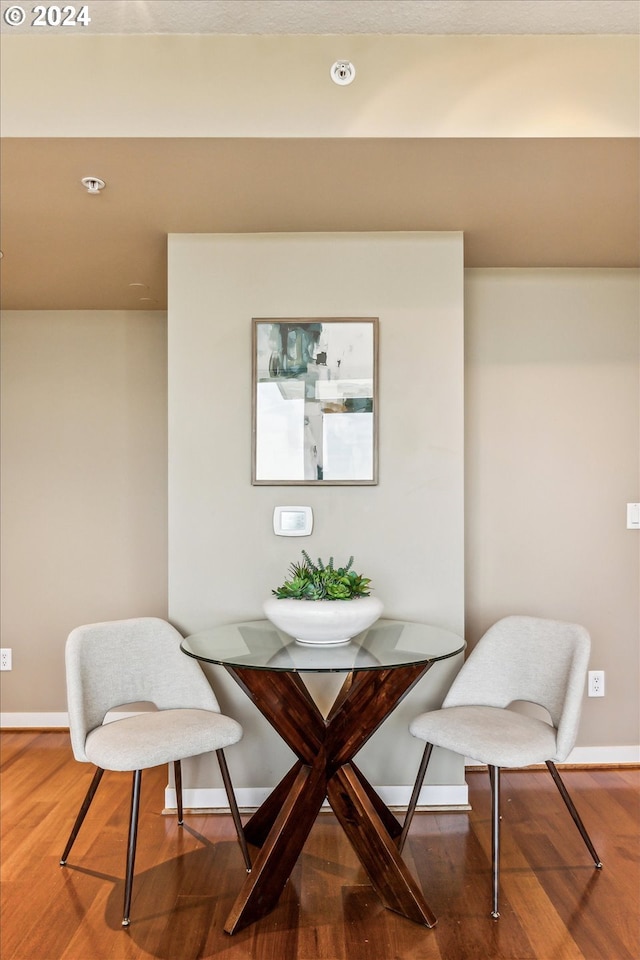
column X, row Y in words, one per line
column 323, row 621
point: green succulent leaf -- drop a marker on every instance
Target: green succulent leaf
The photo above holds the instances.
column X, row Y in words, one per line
column 309, row 580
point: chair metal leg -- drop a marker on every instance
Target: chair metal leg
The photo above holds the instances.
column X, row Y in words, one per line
column 564, row 793
column 413, row 802
column 177, row 774
column 233, row 807
column 131, row 846
column 494, row 776
column 86, row 803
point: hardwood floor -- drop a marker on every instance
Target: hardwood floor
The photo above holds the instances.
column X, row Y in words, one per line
column 554, row 904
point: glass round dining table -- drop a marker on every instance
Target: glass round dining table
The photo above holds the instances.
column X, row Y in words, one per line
column 381, row 665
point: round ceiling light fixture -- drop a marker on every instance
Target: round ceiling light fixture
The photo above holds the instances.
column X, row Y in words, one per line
column 93, row 184
column 343, row 72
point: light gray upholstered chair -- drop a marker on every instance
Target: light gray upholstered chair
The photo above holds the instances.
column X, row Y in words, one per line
column 518, row 659
column 132, row 661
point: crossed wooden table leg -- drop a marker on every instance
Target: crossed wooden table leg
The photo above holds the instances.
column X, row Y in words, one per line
column 325, row 769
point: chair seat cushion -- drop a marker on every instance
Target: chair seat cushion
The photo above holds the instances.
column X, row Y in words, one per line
column 150, row 739
column 491, row 735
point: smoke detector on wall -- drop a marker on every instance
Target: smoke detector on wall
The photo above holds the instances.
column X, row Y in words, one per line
column 343, row 72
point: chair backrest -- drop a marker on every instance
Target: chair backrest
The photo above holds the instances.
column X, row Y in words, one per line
column 128, row 661
column 532, row 659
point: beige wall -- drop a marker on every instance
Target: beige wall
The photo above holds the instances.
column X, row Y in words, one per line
column 84, row 485
column 552, row 456
column 219, row 523
column 406, row 532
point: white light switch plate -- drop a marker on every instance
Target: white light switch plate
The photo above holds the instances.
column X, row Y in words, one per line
column 633, row 516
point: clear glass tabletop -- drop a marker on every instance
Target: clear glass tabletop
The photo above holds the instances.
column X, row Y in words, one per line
column 258, row 645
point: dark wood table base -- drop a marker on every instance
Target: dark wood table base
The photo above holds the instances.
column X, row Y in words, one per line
column 325, row 769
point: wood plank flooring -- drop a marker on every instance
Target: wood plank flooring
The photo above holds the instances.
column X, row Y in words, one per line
column 554, row 904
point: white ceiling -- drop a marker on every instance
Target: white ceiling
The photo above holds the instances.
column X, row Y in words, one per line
column 354, row 16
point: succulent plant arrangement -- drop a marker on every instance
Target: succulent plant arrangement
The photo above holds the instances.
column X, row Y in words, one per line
column 320, row 581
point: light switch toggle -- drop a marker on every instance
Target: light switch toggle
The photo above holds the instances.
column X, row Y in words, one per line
column 633, row 516
column 292, row 521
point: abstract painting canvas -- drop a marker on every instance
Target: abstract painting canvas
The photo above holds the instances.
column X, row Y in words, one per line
column 315, row 401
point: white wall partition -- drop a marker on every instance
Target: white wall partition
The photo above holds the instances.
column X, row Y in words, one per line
column 406, row 532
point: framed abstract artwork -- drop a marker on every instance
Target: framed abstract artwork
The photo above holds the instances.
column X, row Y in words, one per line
column 314, row 410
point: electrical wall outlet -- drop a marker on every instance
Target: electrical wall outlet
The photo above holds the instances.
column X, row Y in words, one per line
column 5, row 658
column 596, row 683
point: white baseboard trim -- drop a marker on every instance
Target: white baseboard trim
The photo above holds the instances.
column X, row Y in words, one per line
column 214, row 799
column 35, row 721
column 592, row 756
column 59, row 721
column 604, row 755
